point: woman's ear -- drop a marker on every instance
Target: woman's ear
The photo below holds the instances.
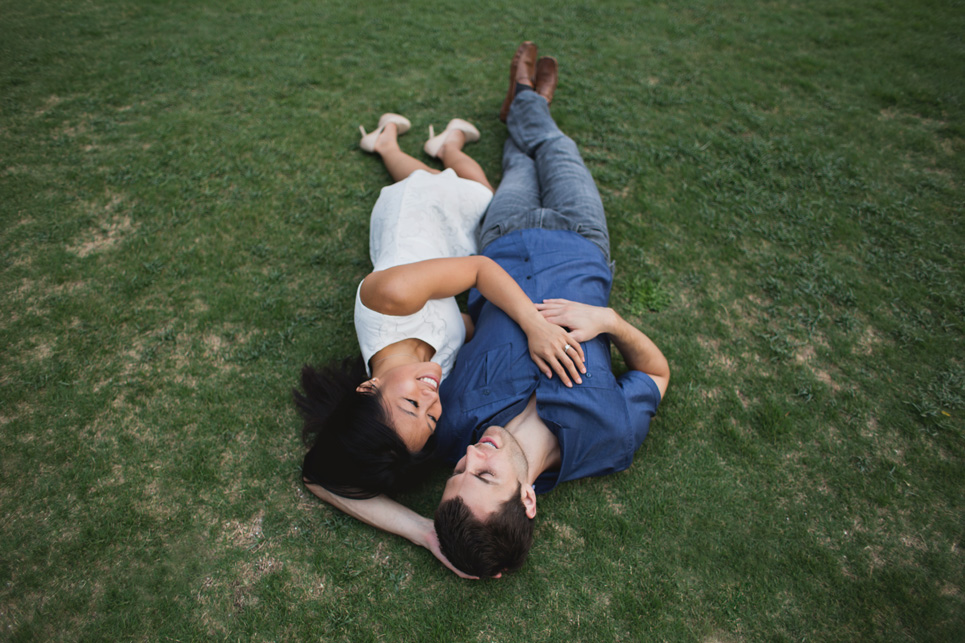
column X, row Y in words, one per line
column 368, row 387
column 528, row 497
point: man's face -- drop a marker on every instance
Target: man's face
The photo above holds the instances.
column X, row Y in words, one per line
column 489, row 474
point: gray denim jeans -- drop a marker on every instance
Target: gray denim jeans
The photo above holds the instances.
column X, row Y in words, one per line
column 545, row 183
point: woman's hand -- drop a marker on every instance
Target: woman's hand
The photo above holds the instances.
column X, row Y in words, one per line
column 553, row 349
column 584, row 321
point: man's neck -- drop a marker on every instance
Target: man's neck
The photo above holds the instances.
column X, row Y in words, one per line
column 538, row 443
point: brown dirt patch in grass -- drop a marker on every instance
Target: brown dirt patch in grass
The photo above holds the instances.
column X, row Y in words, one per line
column 107, row 235
column 611, row 502
column 568, row 537
column 709, row 394
column 868, row 342
column 41, row 351
column 914, row 542
column 154, row 502
column 21, row 412
column 113, row 228
column 891, row 113
column 52, row 101
column 72, row 131
column 247, row 534
column 214, row 345
column 380, row 556
column 249, row 574
column 947, row 589
column 806, row 355
column 717, row 358
column 721, row 637
column 312, row 586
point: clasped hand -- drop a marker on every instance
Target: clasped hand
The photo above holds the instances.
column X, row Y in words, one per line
column 583, row 320
column 554, row 350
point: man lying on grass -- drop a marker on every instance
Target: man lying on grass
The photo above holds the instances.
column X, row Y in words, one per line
column 513, row 432
column 522, row 434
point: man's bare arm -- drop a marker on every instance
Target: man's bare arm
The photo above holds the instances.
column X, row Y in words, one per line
column 586, row 322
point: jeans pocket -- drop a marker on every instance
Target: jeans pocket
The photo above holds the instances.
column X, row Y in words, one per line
column 596, row 235
column 489, row 234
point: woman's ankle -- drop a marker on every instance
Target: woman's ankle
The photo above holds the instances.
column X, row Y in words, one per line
column 388, row 140
column 455, row 141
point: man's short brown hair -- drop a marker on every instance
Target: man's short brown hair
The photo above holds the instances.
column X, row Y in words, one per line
column 485, row 549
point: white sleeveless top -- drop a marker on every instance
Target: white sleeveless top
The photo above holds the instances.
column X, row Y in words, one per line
column 425, row 216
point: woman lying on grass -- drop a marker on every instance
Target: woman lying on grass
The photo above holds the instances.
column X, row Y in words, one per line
column 369, row 425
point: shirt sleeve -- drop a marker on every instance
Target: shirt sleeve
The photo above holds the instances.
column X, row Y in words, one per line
column 642, row 398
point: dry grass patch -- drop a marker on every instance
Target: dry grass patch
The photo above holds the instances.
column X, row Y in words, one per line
column 568, row 537
column 105, row 236
column 114, row 227
column 247, row 534
column 249, row 574
column 868, row 343
column 806, row 355
column 52, row 101
column 155, row 502
column 612, row 504
column 717, row 357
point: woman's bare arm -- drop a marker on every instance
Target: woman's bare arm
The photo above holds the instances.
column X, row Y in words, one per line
column 403, row 290
column 388, row 515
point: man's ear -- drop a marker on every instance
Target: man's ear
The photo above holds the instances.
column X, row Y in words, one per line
column 368, row 387
column 528, row 496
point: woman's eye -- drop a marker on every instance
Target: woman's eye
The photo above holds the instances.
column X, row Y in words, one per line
column 412, row 402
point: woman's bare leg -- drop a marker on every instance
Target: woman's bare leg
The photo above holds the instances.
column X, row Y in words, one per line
column 465, row 166
column 399, row 164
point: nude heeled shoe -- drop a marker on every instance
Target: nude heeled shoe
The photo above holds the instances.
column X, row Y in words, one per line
column 435, row 143
column 368, row 140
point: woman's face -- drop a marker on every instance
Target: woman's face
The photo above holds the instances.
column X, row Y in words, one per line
column 410, row 395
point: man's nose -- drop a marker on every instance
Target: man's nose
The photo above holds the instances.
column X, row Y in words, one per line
column 473, row 453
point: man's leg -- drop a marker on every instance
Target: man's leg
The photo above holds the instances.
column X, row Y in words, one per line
column 515, row 206
column 567, row 190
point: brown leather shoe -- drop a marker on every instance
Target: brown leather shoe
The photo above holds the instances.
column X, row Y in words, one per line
column 522, row 68
column 547, row 75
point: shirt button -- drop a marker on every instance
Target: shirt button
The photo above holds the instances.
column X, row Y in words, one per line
column 485, row 391
column 528, row 277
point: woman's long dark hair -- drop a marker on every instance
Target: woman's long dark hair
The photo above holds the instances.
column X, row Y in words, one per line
column 353, row 451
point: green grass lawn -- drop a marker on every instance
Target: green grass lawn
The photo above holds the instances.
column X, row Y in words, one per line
column 183, row 223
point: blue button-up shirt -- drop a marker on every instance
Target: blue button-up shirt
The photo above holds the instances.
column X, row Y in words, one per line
column 599, row 423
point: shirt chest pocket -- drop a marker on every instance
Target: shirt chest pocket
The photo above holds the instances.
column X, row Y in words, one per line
column 496, row 375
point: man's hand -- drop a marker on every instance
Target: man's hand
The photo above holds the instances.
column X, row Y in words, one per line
column 584, row 321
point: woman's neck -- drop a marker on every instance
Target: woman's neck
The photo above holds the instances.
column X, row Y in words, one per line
column 406, row 351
